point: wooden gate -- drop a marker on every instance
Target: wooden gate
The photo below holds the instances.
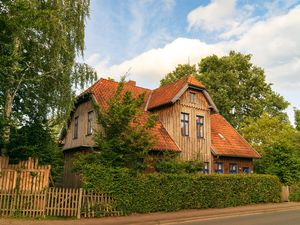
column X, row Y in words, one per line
column 24, row 176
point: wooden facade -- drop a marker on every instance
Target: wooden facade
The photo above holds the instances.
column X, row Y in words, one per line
column 83, row 138
column 244, row 165
column 192, row 147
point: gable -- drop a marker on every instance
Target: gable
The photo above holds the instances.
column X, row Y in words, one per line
column 171, row 93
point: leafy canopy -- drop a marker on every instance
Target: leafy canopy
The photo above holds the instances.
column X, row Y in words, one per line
column 238, row 88
column 39, row 41
column 278, row 143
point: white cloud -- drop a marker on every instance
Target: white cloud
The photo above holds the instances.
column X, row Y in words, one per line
column 218, row 15
column 149, row 67
column 274, row 44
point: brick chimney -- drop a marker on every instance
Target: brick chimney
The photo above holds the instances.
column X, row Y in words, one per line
column 131, row 82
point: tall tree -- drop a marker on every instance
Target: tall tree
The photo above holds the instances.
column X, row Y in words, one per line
column 239, row 88
column 39, row 40
column 278, row 143
column 180, row 71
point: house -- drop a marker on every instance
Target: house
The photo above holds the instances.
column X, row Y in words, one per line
column 188, row 125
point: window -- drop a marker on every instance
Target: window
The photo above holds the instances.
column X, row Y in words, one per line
column 246, row 170
column 200, row 126
column 185, row 124
column 206, row 168
column 192, row 97
column 233, row 168
column 219, row 167
column 76, row 127
column 90, row 122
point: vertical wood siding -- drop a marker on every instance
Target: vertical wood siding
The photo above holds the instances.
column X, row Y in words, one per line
column 83, row 139
column 193, row 148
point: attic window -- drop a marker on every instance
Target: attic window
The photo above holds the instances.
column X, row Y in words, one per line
column 75, row 135
column 221, row 136
column 90, row 123
column 192, row 97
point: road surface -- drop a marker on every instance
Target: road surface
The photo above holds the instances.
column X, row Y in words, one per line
column 290, row 217
column 261, row 214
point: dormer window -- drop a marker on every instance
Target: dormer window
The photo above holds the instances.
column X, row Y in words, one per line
column 90, row 123
column 76, row 123
column 192, row 97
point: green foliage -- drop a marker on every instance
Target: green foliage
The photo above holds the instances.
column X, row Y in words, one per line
column 295, row 192
column 175, row 166
column 278, row 143
column 124, row 138
column 297, row 118
column 35, row 140
column 170, row 192
column 282, row 161
column 181, row 70
column 266, row 131
column 239, row 88
column 39, row 41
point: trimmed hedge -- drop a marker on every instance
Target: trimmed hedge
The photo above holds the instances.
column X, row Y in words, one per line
column 295, row 192
column 170, row 192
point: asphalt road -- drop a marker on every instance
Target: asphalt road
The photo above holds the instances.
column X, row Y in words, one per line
column 290, row 217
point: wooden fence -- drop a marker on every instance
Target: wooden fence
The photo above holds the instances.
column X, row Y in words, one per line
column 65, row 202
column 24, row 176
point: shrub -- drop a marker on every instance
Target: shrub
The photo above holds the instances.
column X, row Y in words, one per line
column 170, row 192
column 295, row 193
column 174, row 166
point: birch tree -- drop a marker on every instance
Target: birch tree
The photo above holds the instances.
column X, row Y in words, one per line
column 39, row 41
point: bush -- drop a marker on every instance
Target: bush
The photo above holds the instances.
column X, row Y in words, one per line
column 174, row 166
column 295, row 193
column 170, row 192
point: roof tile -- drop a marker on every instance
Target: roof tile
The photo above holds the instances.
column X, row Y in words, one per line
column 104, row 90
column 226, row 141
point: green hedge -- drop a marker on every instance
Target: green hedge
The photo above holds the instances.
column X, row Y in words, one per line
column 295, row 192
column 170, row 192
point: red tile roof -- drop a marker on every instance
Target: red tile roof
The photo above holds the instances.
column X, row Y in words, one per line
column 226, row 141
column 165, row 94
column 104, row 90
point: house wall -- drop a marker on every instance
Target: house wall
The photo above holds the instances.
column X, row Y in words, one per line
column 70, row 178
column 83, row 139
column 193, row 148
column 241, row 162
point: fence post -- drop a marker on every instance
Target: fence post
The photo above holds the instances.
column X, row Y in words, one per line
column 44, row 212
column 285, row 192
column 79, row 204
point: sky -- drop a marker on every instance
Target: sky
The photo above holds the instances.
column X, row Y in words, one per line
column 146, row 39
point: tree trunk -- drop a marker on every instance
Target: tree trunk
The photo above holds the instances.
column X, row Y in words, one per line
column 7, row 119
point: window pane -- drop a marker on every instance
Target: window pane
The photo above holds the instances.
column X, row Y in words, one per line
column 200, row 126
column 192, row 97
column 90, row 122
column 185, row 124
column 76, row 127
